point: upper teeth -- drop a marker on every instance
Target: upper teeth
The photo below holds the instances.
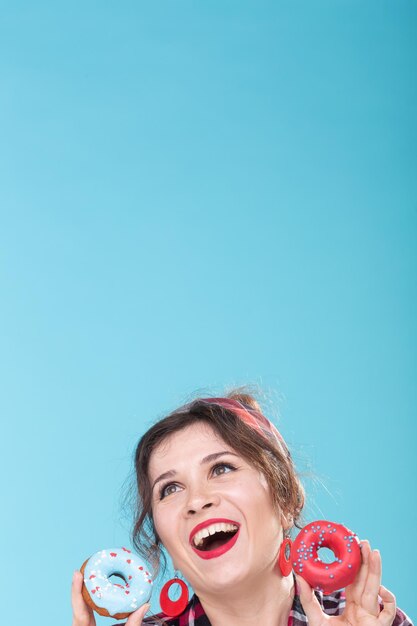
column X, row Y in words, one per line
column 211, row 530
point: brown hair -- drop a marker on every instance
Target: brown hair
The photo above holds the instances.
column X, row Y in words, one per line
column 264, row 452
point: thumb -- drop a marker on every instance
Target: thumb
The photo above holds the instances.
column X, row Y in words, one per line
column 135, row 619
column 311, row 605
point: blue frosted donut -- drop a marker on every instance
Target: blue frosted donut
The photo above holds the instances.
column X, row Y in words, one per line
column 119, row 596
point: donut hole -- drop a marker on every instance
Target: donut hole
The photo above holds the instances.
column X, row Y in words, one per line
column 326, row 555
column 117, row 578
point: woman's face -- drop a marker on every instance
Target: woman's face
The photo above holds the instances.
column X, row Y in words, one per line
column 212, row 510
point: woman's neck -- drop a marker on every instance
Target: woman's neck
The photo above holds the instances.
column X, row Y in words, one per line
column 266, row 602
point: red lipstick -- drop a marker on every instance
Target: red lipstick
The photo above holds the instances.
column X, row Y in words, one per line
column 211, row 554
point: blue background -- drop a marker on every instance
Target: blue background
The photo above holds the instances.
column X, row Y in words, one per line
column 195, row 195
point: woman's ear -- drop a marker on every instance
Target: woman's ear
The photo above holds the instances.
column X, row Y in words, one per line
column 286, row 521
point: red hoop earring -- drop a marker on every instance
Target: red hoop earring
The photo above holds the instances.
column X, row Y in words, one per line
column 172, row 608
column 284, row 562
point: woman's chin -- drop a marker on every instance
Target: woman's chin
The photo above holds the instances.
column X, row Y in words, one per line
column 223, row 578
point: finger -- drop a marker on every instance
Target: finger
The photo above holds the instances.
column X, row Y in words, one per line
column 81, row 611
column 387, row 615
column 135, row 619
column 309, row 602
column 354, row 591
column 369, row 599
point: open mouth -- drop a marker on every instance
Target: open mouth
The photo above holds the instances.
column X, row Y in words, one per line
column 214, row 538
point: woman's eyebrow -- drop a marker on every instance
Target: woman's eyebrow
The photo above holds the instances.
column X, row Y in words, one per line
column 215, row 455
column 169, row 474
column 207, row 459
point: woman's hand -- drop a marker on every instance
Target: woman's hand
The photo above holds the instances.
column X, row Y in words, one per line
column 83, row 615
column 362, row 605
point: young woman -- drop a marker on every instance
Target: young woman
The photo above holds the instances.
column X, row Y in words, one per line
column 218, row 490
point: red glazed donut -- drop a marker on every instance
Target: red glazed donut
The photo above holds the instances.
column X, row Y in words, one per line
column 326, row 577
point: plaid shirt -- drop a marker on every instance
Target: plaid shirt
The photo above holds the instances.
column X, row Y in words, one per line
column 332, row 604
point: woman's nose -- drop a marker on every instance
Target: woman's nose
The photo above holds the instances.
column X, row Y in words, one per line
column 200, row 501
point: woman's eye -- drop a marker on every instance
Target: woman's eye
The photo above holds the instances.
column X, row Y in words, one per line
column 167, row 490
column 222, row 468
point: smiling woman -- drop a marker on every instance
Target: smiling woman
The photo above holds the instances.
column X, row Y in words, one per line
column 237, row 422
column 217, row 488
